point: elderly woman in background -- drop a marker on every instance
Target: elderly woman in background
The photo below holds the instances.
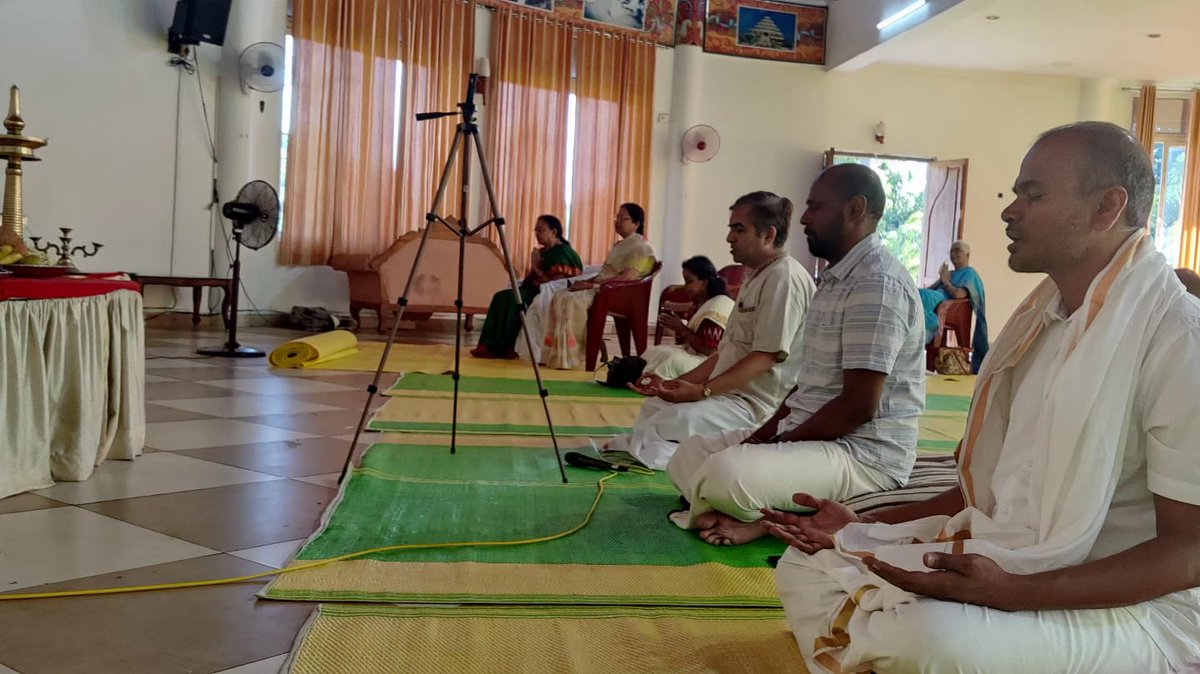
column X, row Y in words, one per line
column 962, row 283
column 553, row 259
column 696, row 339
column 631, row 258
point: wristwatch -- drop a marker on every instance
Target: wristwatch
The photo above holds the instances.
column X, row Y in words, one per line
column 707, row 392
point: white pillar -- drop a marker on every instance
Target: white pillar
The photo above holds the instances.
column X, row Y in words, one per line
column 681, row 216
column 248, row 133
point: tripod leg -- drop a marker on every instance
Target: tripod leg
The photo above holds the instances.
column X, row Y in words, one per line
column 458, row 317
column 430, row 223
column 512, row 274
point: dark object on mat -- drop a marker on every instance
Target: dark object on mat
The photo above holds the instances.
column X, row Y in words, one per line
column 316, row 319
column 624, row 371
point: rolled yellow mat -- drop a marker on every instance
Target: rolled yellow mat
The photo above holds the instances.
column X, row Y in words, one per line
column 309, row 351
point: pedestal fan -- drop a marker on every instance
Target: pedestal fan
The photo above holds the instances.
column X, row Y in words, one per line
column 255, row 215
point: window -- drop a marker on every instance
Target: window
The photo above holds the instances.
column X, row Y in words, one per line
column 1170, row 161
column 286, row 119
column 570, row 163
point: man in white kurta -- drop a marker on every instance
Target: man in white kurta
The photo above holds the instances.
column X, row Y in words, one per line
column 757, row 360
column 850, row 427
column 1071, row 543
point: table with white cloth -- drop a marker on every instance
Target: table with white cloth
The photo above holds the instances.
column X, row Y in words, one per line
column 72, row 378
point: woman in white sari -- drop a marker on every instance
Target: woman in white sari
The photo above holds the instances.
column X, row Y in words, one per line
column 630, row 259
column 696, row 339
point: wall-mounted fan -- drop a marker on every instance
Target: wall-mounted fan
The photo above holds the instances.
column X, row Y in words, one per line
column 255, row 216
column 260, row 67
column 700, row 143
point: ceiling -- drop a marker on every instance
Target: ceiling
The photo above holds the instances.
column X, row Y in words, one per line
column 1078, row 38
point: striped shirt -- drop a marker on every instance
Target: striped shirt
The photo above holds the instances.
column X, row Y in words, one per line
column 866, row 315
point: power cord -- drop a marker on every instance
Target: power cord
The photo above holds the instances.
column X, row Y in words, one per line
column 587, row 519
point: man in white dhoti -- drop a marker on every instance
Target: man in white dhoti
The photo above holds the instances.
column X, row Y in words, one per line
column 757, row 359
column 850, row 427
column 1073, row 540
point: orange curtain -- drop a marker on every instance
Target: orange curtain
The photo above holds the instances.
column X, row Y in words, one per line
column 1189, row 241
column 615, row 98
column 527, row 122
column 437, row 49
column 1145, row 117
column 352, row 186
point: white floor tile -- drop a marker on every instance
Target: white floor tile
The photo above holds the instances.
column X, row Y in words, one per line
column 246, row 405
column 274, row 555
column 48, row 546
column 149, row 474
column 153, row 379
column 280, row 386
column 327, row 480
column 198, row 433
column 7, row 670
column 268, row 666
column 167, row 363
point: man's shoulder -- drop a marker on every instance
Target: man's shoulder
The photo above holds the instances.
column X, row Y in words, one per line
column 1180, row 322
column 789, row 271
column 881, row 267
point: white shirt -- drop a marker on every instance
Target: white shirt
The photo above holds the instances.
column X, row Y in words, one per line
column 1162, row 456
column 769, row 317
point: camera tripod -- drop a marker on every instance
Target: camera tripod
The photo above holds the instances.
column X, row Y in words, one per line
column 467, row 129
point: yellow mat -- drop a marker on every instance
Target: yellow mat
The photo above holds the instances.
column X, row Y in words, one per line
column 315, row 350
column 483, row 416
column 354, row 639
column 439, row 358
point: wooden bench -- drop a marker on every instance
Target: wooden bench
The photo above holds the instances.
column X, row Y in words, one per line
column 197, row 284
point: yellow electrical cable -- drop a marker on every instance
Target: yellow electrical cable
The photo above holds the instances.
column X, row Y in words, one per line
column 312, row 565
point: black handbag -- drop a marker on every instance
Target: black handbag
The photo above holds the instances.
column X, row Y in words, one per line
column 623, row 371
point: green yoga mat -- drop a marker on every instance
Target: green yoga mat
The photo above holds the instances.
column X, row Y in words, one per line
column 629, row 554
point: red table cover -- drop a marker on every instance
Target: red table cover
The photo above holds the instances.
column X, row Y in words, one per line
column 12, row 288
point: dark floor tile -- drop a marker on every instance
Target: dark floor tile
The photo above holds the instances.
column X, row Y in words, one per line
column 228, row 518
column 294, row 458
column 205, row 629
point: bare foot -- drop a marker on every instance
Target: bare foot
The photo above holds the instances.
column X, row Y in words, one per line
column 722, row 529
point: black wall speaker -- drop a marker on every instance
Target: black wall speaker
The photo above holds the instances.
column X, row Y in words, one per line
column 198, row 21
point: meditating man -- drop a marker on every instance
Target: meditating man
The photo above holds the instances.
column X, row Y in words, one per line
column 756, row 361
column 850, row 427
column 1071, row 543
column 961, row 283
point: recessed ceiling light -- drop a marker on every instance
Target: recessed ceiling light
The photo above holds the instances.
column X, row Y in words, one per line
column 1154, row 36
column 991, row 17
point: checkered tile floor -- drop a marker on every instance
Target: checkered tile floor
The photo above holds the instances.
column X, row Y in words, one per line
column 240, row 462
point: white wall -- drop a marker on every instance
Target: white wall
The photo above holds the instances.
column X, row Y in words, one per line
column 94, row 79
column 776, row 119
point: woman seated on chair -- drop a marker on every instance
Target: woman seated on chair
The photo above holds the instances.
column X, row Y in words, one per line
column 962, row 283
column 553, row 259
column 630, row 259
column 696, row 339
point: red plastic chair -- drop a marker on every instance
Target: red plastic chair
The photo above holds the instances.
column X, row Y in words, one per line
column 954, row 316
column 734, row 275
column 628, row 302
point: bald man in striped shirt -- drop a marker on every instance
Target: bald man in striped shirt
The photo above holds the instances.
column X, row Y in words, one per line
column 850, row 426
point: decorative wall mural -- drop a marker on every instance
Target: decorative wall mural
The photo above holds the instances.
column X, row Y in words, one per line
column 654, row 19
column 620, row 13
column 767, row 30
column 689, row 22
